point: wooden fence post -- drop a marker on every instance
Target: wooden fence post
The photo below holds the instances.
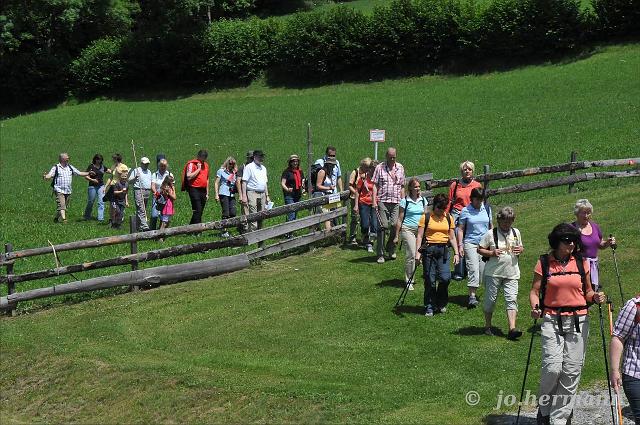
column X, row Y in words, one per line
column 574, row 158
column 133, row 226
column 11, row 286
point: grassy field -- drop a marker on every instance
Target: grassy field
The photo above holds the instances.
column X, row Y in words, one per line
column 281, row 342
column 307, row 339
column 525, row 117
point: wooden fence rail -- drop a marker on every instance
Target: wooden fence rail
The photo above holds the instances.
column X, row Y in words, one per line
column 7, row 257
column 526, row 172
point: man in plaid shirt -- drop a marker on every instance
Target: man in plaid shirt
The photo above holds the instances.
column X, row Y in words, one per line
column 626, row 334
column 62, row 173
column 388, row 190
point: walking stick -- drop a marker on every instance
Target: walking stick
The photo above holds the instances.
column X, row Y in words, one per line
column 615, row 393
column 526, row 369
column 615, row 262
column 403, row 295
column 606, row 363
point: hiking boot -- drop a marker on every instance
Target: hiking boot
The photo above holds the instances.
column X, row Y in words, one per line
column 380, row 260
column 473, row 302
column 514, row 334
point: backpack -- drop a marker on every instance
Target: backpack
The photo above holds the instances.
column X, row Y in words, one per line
column 495, row 239
column 314, row 175
column 544, row 262
column 161, row 201
column 55, row 177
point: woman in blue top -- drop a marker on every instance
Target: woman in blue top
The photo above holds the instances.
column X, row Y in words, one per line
column 225, row 187
column 474, row 222
column 412, row 207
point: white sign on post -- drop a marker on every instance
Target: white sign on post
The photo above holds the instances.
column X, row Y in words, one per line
column 376, row 136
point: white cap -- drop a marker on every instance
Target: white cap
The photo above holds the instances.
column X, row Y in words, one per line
column 145, row 160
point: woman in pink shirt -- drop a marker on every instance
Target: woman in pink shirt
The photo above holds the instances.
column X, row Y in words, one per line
column 560, row 295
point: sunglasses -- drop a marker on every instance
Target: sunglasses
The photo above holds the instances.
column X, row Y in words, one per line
column 568, row 240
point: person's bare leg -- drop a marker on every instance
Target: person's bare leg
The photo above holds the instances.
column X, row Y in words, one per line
column 511, row 318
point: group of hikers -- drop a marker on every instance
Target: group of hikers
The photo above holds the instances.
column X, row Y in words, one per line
column 566, row 280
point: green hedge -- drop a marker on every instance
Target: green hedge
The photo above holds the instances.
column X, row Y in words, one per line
column 99, row 67
column 340, row 43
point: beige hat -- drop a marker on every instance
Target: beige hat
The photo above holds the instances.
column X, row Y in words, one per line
column 294, row 156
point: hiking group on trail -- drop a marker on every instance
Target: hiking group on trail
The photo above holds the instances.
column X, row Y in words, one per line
column 391, row 210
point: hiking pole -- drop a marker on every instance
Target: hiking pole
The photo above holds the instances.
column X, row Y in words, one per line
column 618, row 405
column 606, row 363
column 526, row 369
column 615, row 262
column 403, row 295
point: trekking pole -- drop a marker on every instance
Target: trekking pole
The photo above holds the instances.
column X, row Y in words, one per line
column 526, row 369
column 403, row 295
column 615, row 262
column 606, row 363
column 615, row 393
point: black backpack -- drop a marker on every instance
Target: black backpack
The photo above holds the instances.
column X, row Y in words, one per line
column 495, row 240
column 55, row 177
column 426, row 225
column 314, row 176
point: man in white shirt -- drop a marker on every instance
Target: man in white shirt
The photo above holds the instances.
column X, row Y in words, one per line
column 141, row 178
column 255, row 193
column 62, row 174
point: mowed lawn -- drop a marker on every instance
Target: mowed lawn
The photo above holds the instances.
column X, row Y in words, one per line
column 312, row 338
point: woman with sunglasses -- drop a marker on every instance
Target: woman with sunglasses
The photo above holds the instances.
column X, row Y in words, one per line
column 591, row 237
column 225, row 188
column 560, row 295
column 412, row 207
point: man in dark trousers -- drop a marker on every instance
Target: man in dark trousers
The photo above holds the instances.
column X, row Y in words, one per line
column 195, row 179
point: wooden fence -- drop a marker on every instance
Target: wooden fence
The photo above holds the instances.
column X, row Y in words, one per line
column 205, row 268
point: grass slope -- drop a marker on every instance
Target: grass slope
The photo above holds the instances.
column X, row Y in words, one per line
column 307, row 339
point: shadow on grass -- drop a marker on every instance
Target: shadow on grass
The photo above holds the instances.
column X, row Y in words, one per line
column 367, row 259
column 459, row 300
column 394, row 283
column 401, row 310
column 507, row 419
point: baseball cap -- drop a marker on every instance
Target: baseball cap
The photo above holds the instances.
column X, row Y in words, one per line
column 145, row 160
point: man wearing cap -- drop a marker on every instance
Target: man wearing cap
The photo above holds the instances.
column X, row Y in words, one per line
column 255, row 193
column 195, row 179
column 141, row 178
column 62, row 173
column 243, row 227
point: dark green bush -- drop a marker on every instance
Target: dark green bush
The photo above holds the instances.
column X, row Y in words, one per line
column 322, row 45
column 237, row 51
column 99, row 67
column 617, row 17
column 528, row 28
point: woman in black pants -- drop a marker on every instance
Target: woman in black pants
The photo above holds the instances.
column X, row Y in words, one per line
column 225, row 187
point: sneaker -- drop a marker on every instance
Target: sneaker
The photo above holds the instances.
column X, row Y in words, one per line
column 457, row 277
column 393, row 256
column 443, row 309
column 514, row 334
column 354, row 242
column 473, row 302
column 428, row 312
column 380, row 260
column 225, row 234
column 411, row 287
column 370, row 248
column 488, row 332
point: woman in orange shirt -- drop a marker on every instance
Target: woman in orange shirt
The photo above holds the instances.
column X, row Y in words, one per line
column 560, row 295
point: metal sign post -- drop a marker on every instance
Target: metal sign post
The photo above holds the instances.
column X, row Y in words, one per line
column 376, row 136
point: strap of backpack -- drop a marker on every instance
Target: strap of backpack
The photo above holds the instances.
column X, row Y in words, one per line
column 453, row 196
column 404, row 216
column 495, row 236
column 544, row 263
column 583, row 274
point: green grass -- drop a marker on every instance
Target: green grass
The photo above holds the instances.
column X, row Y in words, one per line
column 306, row 339
column 526, row 117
